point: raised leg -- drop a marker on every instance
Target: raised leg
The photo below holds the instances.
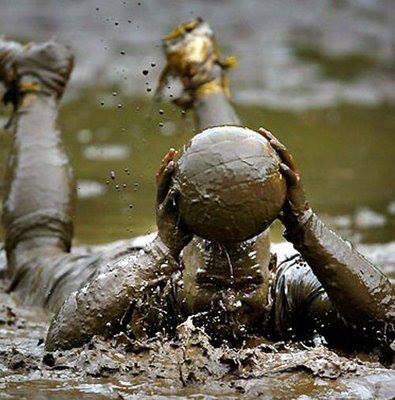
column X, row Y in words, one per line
column 193, row 58
column 37, row 208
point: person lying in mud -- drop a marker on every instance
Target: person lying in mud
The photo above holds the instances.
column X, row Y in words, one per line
column 328, row 289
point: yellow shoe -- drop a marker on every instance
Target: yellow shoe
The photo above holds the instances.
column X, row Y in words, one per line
column 193, row 58
column 44, row 67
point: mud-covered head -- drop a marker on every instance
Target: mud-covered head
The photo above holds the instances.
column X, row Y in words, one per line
column 226, row 286
column 230, row 185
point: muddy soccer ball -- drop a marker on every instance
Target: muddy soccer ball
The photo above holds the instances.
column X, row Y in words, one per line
column 230, row 185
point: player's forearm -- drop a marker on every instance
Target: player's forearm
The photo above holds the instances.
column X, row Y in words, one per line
column 100, row 305
column 360, row 292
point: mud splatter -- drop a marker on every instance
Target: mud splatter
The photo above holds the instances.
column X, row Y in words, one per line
column 185, row 366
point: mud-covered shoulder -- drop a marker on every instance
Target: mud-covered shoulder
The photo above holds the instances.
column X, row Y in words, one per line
column 294, row 289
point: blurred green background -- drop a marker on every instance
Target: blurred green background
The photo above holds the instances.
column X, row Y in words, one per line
column 317, row 73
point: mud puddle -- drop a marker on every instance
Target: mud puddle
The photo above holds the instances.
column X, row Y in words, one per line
column 187, row 366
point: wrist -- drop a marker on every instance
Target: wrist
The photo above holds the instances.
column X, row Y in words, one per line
column 167, row 246
column 296, row 224
column 303, row 217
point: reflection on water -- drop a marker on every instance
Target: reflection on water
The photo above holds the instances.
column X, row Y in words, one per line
column 106, row 152
column 86, row 189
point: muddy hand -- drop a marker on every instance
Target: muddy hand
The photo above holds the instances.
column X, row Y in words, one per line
column 296, row 208
column 170, row 228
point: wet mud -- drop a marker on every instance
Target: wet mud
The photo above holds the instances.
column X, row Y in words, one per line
column 186, row 366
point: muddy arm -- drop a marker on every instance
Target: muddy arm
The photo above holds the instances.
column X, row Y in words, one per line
column 361, row 294
column 359, row 291
column 99, row 306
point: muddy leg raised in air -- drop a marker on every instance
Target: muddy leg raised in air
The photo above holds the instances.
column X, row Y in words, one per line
column 37, row 210
column 193, row 58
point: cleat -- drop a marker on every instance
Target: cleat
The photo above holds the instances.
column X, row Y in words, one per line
column 194, row 59
column 44, row 67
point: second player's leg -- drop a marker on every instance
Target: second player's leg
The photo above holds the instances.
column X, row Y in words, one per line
column 37, row 207
column 193, row 58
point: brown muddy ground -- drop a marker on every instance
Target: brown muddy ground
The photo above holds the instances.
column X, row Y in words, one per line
column 187, row 366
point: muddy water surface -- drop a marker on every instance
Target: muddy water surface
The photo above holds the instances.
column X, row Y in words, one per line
column 184, row 367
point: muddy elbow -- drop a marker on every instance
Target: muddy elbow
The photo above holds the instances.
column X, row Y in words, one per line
column 65, row 332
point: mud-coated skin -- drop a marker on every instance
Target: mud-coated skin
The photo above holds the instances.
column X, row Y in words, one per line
column 100, row 305
column 39, row 187
column 214, row 109
column 361, row 294
column 298, row 301
column 128, row 289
